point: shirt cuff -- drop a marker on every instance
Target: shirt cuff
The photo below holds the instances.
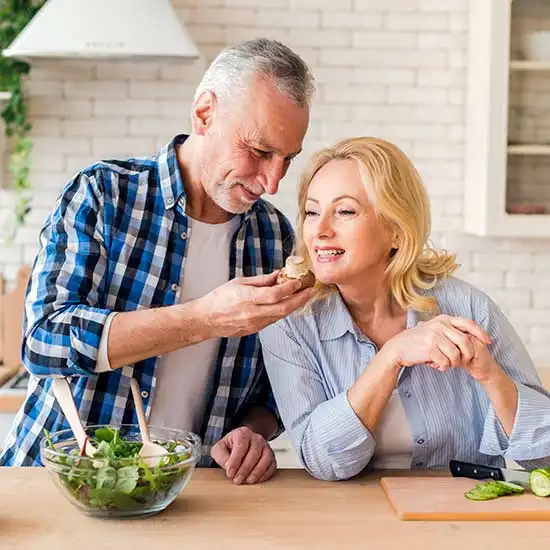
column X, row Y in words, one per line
column 530, row 437
column 342, row 437
column 102, row 364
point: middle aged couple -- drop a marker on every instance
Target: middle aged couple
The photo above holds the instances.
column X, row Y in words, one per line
column 164, row 269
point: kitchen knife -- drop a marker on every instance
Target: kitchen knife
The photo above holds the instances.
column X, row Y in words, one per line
column 479, row 471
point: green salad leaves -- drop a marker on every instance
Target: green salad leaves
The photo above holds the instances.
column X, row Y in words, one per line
column 117, row 478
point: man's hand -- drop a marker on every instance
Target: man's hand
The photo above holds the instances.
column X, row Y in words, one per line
column 246, row 305
column 245, row 456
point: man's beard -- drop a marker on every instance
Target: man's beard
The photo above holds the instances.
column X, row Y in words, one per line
column 225, row 199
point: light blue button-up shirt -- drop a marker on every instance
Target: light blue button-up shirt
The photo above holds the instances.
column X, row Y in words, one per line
column 313, row 358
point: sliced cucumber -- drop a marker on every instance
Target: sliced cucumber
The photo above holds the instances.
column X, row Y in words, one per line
column 479, row 495
column 539, row 481
column 493, row 489
column 513, row 488
column 489, row 489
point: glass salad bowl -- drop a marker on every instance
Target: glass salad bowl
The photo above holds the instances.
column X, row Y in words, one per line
column 116, row 481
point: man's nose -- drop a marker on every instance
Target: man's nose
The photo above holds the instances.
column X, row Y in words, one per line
column 275, row 171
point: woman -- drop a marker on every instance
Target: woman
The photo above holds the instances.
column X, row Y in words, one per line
column 395, row 363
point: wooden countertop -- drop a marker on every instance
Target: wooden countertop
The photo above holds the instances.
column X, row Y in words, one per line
column 290, row 512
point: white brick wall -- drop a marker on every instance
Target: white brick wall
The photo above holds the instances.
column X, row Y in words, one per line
column 394, row 68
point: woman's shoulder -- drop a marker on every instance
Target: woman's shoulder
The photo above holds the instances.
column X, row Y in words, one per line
column 458, row 297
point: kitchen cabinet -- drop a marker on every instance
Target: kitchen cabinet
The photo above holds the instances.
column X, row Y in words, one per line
column 507, row 192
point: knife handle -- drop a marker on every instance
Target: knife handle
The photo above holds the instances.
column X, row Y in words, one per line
column 474, row 471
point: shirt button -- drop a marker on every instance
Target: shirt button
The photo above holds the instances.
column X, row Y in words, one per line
column 183, row 235
column 170, row 200
column 418, row 464
column 408, row 394
column 174, row 287
column 145, row 394
column 420, row 441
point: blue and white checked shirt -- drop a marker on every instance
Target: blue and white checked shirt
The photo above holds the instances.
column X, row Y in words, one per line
column 113, row 243
column 312, row 360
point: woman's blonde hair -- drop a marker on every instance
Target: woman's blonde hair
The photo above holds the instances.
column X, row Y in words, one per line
column 398, row 197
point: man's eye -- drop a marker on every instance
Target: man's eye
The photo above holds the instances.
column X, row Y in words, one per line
column 262, row 154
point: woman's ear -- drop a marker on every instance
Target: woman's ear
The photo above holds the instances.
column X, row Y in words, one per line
column 395, row 242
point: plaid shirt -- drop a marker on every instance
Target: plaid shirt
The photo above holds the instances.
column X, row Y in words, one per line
column 113, row 243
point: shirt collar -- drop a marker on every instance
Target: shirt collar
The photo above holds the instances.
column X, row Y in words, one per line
column 171, row 182
column 335, row 319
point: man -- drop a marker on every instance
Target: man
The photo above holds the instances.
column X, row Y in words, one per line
column 164, row 268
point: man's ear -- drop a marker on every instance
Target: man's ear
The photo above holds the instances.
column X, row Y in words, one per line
column 203, row 111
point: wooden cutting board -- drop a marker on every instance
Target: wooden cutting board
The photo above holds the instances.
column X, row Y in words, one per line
column 442, row 499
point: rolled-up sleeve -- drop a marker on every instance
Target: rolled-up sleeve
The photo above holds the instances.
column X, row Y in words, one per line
column 331, row 441
column 64, row 319
column 529, row 441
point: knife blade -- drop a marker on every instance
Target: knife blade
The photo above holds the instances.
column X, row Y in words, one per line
column 480, row 471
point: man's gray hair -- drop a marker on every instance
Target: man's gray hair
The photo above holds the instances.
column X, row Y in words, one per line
column 233, row 69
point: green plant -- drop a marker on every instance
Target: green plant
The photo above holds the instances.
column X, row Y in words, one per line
column 14, row 15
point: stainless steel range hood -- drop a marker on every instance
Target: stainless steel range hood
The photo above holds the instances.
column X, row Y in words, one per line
column 104, row 29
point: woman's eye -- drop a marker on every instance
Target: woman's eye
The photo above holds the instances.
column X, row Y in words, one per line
column 310, row 213
column 346, row 212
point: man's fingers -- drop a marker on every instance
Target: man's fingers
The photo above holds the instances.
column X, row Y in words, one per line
column 238, row 452
column 296, row 301
column 274, row 295
column 272, row 313
column 259, row 280
column 471, row 327
column 220, row 453
column 269, row 472
column 288, row 304
column 267, row 460
column 250, row 461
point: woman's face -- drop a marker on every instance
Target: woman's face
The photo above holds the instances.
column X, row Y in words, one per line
column 346, row 241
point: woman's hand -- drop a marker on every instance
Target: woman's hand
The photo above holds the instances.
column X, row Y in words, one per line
column 442, row 342
column 482, row 367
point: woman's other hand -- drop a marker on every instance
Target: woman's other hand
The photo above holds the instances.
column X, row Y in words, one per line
column 442, row 342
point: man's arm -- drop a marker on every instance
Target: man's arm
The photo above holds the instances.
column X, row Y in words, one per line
column 64, row 323
column 137, row 335
column 63, row 318
column 237, row 308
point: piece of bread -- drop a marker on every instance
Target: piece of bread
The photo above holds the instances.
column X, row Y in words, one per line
column 296, row 268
